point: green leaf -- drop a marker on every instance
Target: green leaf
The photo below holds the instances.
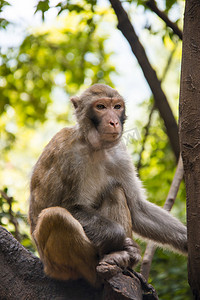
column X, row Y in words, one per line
column 42, row 6
column 3, row 4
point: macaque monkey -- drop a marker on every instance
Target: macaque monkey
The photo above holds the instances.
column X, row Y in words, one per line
column 86, row 198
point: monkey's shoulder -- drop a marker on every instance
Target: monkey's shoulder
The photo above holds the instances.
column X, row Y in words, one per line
column 58, row 145
column 62, row 139
column 54, row 154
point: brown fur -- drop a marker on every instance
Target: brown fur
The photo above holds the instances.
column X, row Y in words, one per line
column 56, row 234
column 86, row 197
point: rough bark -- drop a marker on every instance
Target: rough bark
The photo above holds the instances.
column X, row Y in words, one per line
column 22, row 277
column 190, row 135
column 161, row 101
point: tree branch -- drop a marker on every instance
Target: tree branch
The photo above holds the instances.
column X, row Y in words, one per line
column 22, row 277
column 161, row 102
column 152, row 5
column 147, row 127
column 151, row 247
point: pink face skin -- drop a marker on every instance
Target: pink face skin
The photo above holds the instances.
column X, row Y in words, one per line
column 108, row 111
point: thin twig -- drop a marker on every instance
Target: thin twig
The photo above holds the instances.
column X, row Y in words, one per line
column 146, row 129
column 13, row 220
column 151, row 247
column 152, row 5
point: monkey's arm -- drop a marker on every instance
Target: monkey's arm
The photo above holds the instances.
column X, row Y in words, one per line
column 157, row 224
column 151, row 221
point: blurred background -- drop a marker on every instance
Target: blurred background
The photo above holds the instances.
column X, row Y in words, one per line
column 51, row 50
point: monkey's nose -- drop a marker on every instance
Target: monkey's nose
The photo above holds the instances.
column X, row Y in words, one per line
column 114, row 124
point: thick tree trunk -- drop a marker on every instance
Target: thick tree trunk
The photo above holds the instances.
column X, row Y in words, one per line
column 190, row 135
column 22, row 278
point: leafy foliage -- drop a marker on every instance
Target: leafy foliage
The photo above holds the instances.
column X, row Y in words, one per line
column 69, row 57
column 169, row 276
column 14, row 221
column 70, row 5
column 3, row 21
column 43, row 6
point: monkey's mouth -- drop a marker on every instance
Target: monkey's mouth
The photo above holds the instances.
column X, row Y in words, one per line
column 111, row 136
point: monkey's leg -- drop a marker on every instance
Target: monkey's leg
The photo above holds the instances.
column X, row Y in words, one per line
column 64, row 248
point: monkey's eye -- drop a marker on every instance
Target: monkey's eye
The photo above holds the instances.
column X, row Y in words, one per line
column 117, row 106
column 100, row 106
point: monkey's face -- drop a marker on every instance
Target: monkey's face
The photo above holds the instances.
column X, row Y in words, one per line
column 107, row 116
column 100, row 112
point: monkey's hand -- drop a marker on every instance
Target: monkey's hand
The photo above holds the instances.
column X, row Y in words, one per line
column 115, row 262
column 133, row 250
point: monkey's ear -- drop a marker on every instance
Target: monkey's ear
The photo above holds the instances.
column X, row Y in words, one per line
column 75, row 100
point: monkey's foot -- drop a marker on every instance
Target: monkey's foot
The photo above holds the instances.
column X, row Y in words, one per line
column 112, row 264
column 107, row 271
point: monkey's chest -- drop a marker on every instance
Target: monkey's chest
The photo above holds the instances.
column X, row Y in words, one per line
column 99, row 190
column 93, row 181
